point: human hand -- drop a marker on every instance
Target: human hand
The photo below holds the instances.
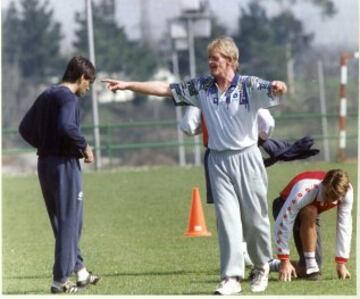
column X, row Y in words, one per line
column 88, row 154
column 278, row 88
column 342, row 272
column 115, row 85
column 286, row 271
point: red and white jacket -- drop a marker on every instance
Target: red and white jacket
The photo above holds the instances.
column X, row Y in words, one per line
column 302, row 191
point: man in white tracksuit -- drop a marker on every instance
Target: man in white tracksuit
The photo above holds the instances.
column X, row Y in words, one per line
column 192, row 124
column 297, row 211
column 230, row 102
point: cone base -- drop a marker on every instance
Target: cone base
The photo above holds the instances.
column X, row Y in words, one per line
column 197, row 234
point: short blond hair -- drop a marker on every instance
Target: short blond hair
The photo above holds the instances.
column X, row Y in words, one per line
column 226, row 46
column 336, row 183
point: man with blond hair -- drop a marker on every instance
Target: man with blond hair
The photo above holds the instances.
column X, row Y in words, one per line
column 229, row 103
column 297, row 211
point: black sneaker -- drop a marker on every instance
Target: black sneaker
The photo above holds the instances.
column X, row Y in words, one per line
column 313, row 276
column 68, row 287
column 91, row 279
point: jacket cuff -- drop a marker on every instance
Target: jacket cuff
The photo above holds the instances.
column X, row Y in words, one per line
column 340, row 260
column 283, row 256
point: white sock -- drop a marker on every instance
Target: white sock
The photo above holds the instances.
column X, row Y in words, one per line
column 310, row 262
column 82, row 274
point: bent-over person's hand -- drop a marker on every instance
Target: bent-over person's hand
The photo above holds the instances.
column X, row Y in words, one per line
column 88, row 154
column 278, row 88
column 286, row 271
column 115, row 85
column 342, row 271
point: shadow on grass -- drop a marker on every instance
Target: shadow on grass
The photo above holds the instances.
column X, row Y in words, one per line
column 110, row 275
column 157, row 273
column 117, row 274
column 44, row 291
column 160, row 273
column 39, row 276
column 32, row 292
column 197, row 293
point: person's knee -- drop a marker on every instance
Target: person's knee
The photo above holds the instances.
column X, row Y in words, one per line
column 309, row 215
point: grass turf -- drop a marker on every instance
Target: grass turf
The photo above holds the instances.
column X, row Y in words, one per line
column 134, row 223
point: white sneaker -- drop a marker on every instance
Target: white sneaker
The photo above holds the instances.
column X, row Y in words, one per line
column 228, row 286
column 313, row 269
column 259, row 279
column 66, row 287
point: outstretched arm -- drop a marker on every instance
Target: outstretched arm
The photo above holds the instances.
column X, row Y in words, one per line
column 155, row 88
column 278, row 88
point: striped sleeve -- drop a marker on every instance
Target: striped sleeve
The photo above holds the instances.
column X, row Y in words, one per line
column 303, row 193
column 186, row 92
column 261, row 94
column 344, row 228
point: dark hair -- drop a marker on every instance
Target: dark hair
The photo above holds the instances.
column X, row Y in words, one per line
column 77, row 67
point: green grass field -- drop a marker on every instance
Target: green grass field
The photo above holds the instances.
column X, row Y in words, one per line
column 133, row 235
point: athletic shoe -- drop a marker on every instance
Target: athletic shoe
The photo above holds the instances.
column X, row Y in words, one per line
column 313, row 276
column 228, row 286
column 312, row 269
column 274, row 265
column 67, row 287
column 259, row 278
column 91, row 279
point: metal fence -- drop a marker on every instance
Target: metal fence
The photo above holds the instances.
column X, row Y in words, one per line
column 154, row 143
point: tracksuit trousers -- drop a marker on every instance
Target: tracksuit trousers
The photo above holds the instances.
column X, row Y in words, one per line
column 239, row 187
column 61, row 185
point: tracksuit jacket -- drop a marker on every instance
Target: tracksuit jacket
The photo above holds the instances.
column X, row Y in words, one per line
column 303, row 191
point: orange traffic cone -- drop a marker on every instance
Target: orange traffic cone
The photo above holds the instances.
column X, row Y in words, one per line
column 197, row 226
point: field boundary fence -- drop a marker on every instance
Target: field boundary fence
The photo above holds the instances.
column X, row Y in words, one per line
column 155, row 142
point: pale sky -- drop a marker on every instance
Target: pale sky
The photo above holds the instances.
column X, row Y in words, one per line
column 342, row 30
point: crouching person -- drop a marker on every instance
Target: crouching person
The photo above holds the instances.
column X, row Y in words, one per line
column 297, row 210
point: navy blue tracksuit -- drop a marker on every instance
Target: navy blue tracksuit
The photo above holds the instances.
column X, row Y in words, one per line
column 52, row 125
